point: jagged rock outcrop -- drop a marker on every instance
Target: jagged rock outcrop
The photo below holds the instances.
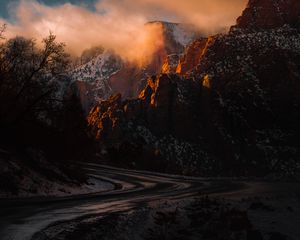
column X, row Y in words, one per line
column 192, row 56
column 233, row 106
column 253, row 103
column 167, row 105
column 170, row 63
column 267, row 14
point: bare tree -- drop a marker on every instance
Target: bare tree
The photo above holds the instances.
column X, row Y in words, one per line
column 29, row 76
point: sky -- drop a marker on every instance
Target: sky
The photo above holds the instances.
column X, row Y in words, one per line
column 115, row 24
column 4, row 4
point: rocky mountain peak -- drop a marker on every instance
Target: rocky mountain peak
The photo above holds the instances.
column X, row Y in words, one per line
column 107, row 73
column 268, row 14
column 234, row 98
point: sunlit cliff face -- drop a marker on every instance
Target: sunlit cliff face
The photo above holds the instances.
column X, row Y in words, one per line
column 119, row 24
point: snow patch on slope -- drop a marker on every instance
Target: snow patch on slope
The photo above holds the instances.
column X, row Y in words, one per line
column 183, row 34
column 39, row 177
column 101, row 67
column 92, row 79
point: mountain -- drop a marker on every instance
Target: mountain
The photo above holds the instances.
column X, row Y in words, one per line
column 232, row 108
column 107, row 73
column 266, row 14
column 91, row 80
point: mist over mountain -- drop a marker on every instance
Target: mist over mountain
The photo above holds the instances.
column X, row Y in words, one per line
column 115, row 24
column 108, row 73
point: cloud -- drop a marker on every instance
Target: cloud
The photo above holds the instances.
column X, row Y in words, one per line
column 208, row 15
column 119, row 24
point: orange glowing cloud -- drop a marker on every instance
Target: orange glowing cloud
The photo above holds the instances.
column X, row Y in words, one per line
column 210, row 16
column 119, row 24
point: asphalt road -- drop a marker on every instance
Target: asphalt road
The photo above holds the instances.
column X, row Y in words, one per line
column 21, row 219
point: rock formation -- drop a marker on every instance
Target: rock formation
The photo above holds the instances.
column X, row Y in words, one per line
column 232, row 108
column 108, row 74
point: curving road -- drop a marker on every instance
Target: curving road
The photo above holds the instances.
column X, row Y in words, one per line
column 21, row 219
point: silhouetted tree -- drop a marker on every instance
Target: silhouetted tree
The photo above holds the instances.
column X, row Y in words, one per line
column 35, row 112
column 28, row 78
